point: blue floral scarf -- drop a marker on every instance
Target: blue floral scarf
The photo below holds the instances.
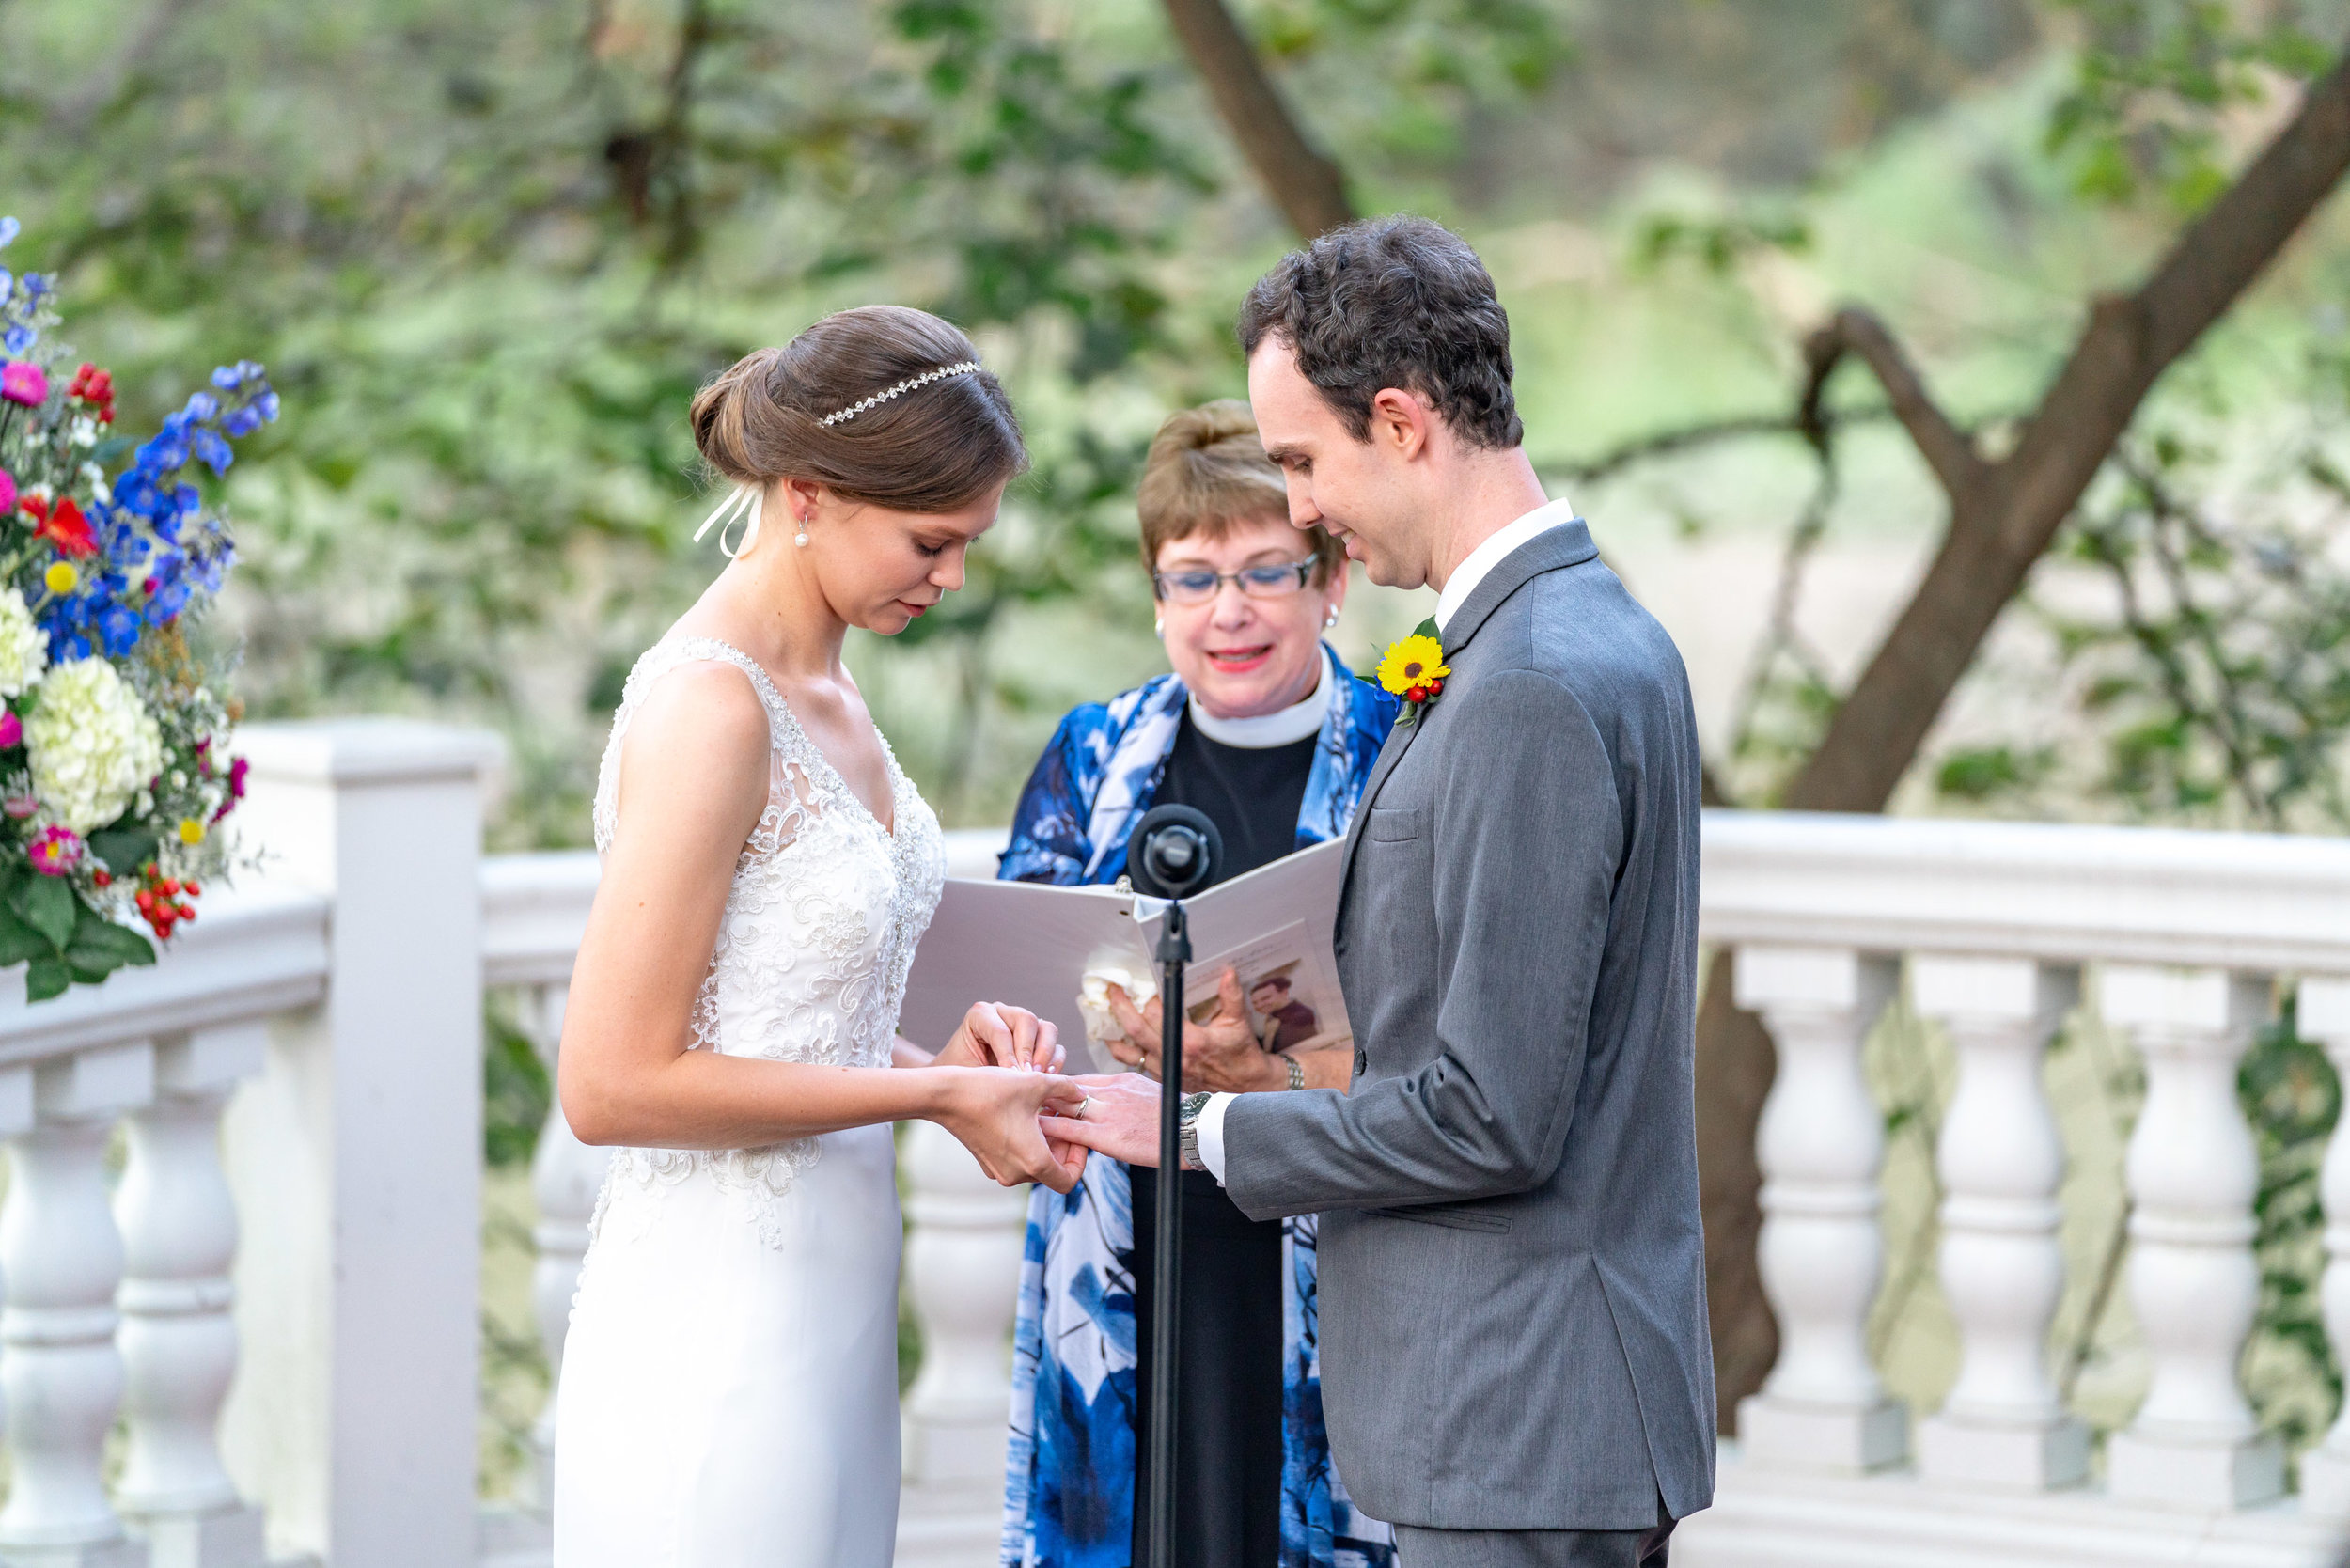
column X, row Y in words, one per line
column 1070, row 1489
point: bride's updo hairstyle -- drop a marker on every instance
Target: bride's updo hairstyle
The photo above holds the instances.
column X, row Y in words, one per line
column 931, row 448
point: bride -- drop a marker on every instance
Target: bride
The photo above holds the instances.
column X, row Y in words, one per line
column 729, row 1383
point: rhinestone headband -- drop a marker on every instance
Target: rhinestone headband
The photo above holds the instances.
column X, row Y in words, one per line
column 842, row 417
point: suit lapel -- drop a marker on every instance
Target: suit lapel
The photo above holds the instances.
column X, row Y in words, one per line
column 1568, row 544
column 1399, row 742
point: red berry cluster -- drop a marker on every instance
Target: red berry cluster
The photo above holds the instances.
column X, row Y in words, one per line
column 1424, row 693
column 92, row 384
column 163, row 900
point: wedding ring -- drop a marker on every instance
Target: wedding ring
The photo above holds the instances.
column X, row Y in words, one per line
column 1084, row 1106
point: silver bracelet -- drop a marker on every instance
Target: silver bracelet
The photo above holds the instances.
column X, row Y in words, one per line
column 1297, row 1071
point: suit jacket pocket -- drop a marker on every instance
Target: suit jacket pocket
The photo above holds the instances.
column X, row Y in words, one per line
column 1391, row 825
column 1449, row 1215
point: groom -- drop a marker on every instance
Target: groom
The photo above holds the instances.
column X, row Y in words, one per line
column 1515, row 1366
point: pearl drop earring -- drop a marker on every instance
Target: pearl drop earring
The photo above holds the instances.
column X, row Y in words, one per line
column 1329, row 619
column 1158, row 628
column 800, row 539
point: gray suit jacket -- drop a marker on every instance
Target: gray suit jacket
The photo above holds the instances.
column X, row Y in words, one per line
column 1514, row 1326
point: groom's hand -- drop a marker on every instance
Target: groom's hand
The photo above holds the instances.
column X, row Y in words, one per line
column 1119, row 1119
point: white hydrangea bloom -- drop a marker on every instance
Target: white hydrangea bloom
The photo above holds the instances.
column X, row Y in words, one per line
column 24, row 646
column 92, row 744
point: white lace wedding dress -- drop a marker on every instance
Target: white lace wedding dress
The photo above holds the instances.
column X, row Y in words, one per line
column 730, row 1390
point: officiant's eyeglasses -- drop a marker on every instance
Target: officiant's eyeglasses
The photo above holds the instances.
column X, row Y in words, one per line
column 1258, row 582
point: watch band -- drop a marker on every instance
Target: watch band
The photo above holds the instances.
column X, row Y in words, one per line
column 1297, row 1071
column 1187, row 1132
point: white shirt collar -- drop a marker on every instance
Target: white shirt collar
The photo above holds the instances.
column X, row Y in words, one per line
column 1489, row 554
column 1293, row 723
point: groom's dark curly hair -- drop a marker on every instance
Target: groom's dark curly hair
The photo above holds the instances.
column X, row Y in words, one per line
column 1392, row 302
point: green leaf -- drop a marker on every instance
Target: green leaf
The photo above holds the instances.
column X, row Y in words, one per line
column 1429, row 629
column 124, row 849
column 99, row 943
column 45, row 978
column 47, row 904
column 19, row 942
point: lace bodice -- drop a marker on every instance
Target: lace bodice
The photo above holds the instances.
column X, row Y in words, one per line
column 818, row 935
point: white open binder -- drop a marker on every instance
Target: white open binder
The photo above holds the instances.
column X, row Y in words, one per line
column 1032, row 945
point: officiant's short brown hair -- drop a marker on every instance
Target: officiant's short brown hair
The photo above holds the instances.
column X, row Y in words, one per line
column 1207, row 471
column 1392, row 302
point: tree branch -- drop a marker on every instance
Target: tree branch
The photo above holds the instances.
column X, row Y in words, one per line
column 74, row 113
column 1307, row 187
column 2005, row 524
column 1946, row 450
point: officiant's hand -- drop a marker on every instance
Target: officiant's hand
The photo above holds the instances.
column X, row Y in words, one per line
column 997, row 1034
column 1119, row 1117
column 1222, row 1055
column 1002, row 1116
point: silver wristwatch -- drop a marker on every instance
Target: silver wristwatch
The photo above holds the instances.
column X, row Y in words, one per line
column 1188, row 1131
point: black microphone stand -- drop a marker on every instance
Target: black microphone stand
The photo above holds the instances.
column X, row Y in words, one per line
column 1172, row 852
column 1166, row 1292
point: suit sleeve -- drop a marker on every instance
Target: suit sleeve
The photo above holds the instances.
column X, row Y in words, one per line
column 1528, row 836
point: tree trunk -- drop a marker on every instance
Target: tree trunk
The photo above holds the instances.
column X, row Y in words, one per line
column 1306, row 186
column 2003, row 517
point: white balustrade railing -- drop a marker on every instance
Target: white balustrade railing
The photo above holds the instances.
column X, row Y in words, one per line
column 116, row 1297
column 2179, row 944
column 254, row 1339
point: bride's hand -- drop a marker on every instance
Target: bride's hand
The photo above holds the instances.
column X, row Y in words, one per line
column 1000, row 1117
column 996, row 1034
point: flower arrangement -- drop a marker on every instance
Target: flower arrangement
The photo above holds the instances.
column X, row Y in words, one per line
column 1414, row 669
column 112, row 729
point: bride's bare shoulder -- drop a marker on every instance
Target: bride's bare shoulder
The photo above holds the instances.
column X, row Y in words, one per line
column 700, row 732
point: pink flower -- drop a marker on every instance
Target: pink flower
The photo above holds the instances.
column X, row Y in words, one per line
column 11, row 731
column 237, row 767
column 20, row 806
column 7, row 493
column 23, row 381
column 57, row 852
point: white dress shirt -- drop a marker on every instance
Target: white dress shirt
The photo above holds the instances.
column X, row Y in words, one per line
column 1472, row 571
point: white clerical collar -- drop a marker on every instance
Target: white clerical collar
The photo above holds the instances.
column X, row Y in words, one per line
column 1489, row 554
column 1293, row 723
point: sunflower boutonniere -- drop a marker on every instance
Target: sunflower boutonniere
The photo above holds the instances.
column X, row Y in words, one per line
column 1414, row 669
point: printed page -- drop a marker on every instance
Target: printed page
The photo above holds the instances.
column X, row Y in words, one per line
column 1046, row 949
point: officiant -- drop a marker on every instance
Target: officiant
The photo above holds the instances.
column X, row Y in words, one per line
column 1263, row 728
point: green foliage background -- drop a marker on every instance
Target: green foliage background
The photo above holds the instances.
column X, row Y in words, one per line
column 488, row 252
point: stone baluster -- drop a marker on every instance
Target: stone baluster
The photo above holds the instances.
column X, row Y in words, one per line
column 962, row 1257
column 1820, row 1144
column 565, row 1177
column 2192, row 1175
column 179, row 1339
column 2000, row 1161
column 2323, row 1016
column 63, row 1261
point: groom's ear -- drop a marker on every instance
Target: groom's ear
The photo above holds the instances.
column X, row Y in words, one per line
column 1403, row 423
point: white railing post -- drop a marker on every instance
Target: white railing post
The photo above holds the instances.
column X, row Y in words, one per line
column 356, row 1156
column 63, row 1261
column 565, row 1177
column 1821, row 1145
column 2001, row 1163
column 2192, row 1175
column 178, row 1337
column 2323, row 1015
column 963, row 1255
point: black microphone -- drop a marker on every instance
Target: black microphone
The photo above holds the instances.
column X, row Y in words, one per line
column 1174, row 851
